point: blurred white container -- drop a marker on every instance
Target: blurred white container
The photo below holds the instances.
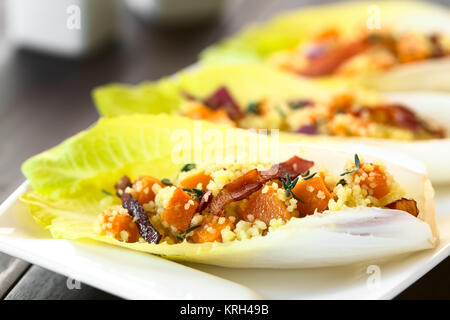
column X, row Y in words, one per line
column 176, row 12
column 64, row 27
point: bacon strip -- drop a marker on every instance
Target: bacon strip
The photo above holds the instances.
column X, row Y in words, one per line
column 393, row 114
column 407, row 205
column 205, row 199
column 253, row 180
column 236, row 190
column 294, row 166
column 146, row 229
column 122, row 184
column 331, row 61
column 222, row 98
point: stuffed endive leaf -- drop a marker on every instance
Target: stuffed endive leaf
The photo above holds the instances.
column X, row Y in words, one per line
column 389, row 45
column 270, row 99
column 74, row 182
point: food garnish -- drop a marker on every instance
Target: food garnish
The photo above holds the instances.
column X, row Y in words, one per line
column 288, row 185
column 188, row 167
column 146, row 229
column 357, row 165
column 182, row 236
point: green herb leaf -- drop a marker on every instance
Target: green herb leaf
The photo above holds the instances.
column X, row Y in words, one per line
column 106, row 192
column 357, row 162
column 297, row 198
column 188, row 167
column 166, row 182
column 305, row 174
column 310, row 176
column 357, row 165
column 288, row 185
column 182, row 236
column 295, row 105
column 253, row 107
column 195, row 193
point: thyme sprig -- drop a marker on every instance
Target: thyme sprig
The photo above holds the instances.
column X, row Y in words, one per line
column 253, row 107
column 307, row 176
column 195, row 193
column 188, row 167
column 166, row 182
column 182, row 236
column 357, row 165
column 106, row 192
column 295, row 105
column 288, row 185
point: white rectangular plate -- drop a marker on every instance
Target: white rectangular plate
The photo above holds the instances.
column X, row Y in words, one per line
column 135, row 275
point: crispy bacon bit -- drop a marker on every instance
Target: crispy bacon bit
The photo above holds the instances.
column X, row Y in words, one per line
column 253, row 180
column 307, row 129
column 236, row 190
column 146, row 229
column 404, row 117
column 392, row 114
column 332, row 60
column 407, row 205
column 437, row 49
column 204, row 201
column 316, row 51
column 222, row 98
column 294, row 166
column 122, row 184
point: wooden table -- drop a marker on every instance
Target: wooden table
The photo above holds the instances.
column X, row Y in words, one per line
column 44, row 100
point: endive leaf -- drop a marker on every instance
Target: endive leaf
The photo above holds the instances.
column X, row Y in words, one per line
column 328, row 239
column 247, row 83
column 291, row 29
column 68, row 179
column 158, row 97
column 93, row 159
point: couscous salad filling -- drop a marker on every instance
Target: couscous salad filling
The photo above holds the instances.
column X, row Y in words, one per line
column 224, row 203
column 329, row 52
column 342, row 115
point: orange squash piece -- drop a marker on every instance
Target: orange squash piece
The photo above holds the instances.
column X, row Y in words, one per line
column 376, row 181
column 407, row 205
column 211, row 229
column 314, row 194
column 327, row 35
column 143, row 189
column 112, row 223
column 201, row 112
column 265, row 207
column 193, row 181
column 179, row 211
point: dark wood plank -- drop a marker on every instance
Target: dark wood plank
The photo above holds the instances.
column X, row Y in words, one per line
column 433, row 285
column 40, row 284
column 11, row 269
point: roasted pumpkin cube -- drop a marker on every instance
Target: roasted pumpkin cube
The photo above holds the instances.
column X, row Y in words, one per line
column 143, row 189
column 201, row 112
column 211, row 229
column 119, row 225
column 373, row 178
column 194, row 180
column 180, row 210
column 314, row 194
column 265, row 206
